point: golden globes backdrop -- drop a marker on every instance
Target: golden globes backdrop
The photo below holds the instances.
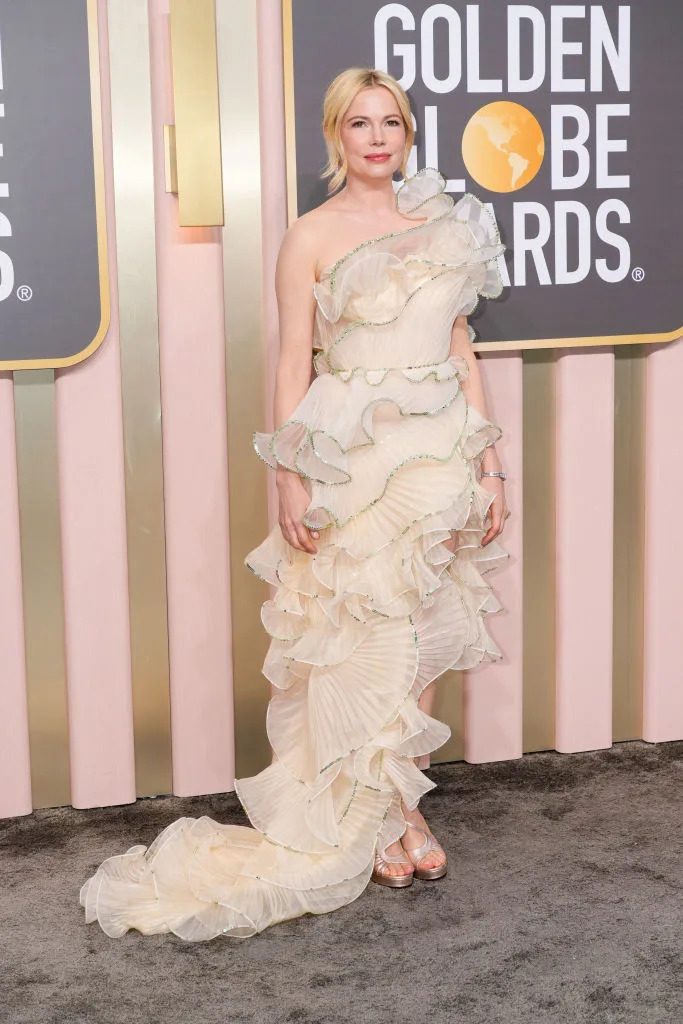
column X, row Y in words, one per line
column 564, row 118
column 53, row 279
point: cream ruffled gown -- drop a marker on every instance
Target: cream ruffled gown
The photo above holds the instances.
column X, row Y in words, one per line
column 389, row 449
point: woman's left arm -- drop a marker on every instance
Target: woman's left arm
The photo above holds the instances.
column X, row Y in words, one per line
column 473, row 389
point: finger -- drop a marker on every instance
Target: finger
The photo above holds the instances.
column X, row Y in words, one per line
column 501, row 523
column 494, row 528
column 304, row 538
column 303, row 534
column 290, row 534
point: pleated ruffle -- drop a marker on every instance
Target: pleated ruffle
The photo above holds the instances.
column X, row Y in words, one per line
column 389, row 456
column 371, row 301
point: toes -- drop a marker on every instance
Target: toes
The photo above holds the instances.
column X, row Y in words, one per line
column 432, row 860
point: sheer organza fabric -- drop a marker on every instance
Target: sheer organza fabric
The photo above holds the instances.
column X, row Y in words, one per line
column 389, row 451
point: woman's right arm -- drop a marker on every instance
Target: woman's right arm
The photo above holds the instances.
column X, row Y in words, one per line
column 294, row 280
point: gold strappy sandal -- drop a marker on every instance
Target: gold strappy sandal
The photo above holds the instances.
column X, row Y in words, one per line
column 382, row 876
column 417, row 854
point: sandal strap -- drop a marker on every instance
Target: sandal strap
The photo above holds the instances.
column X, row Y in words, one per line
column 382, row 859
column 429, row 845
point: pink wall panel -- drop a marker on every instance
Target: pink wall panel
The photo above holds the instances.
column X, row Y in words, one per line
column 493, row 692
column 584, row 518
column 15, row 768
column 93, row 522
column 194, row 423
column 663, row 674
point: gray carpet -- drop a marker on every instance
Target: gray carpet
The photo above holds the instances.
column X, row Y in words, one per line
column 563, row 904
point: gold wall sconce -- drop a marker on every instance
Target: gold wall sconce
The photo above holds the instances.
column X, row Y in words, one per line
column 192, row 146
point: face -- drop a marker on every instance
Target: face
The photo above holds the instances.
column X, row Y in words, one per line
column 373, row 134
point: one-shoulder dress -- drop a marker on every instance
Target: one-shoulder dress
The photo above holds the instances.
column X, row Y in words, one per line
column 390, row 452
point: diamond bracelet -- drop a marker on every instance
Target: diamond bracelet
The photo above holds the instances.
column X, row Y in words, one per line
column 503, row 476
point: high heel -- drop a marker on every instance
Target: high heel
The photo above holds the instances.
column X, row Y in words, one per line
column 382, row 876
column 417, row 854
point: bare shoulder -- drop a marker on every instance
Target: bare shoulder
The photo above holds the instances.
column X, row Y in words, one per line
column 305, row 238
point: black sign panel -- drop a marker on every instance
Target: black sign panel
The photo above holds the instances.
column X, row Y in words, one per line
column 53, row 283
column 564, row 117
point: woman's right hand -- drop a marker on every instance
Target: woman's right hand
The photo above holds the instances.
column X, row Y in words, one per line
column 294, row 501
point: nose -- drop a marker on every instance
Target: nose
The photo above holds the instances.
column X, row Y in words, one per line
column 378, row 135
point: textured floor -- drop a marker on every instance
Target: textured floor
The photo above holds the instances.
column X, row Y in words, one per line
column 563, row 904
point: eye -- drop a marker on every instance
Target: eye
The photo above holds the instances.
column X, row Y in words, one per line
column 357, row 123
column 393, row 122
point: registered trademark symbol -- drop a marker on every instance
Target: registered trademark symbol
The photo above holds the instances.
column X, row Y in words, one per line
column 638, row 274
column 24, row 293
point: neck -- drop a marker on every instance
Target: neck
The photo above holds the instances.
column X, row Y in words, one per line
column 370, row 194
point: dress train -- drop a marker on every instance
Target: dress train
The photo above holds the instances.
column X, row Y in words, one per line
column 389, row 451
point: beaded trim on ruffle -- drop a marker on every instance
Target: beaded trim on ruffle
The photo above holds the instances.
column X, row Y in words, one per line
column 354, row 325
column 413, row 458
column 308, row 439
column 441, row 186
column 491, row 230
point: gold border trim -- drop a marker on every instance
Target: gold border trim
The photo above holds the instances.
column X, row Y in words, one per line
column 608, row 339
column 100, row 212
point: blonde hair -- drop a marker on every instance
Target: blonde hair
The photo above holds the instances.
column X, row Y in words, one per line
column 340, row 94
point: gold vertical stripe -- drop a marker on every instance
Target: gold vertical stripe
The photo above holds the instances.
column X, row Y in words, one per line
column 139, row 341
column 629, row 542
column 41, row 566
column 290, row 127
column 539, row 550
column 195, row 97
column 242, row 269
column 448, row 708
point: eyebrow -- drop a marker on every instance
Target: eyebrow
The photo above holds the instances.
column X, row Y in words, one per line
column 355, row 117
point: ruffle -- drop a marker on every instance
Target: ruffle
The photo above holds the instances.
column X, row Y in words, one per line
column 355, row 640
column 390, row 457
column 375, row 283
column 340, row 414
column 378, row 457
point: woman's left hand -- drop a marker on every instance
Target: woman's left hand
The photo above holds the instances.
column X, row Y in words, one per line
column 498, row 509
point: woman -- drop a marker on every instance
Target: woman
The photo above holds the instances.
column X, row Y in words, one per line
column 391, row 496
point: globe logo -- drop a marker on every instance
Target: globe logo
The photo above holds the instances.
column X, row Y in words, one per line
column 503, row 146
